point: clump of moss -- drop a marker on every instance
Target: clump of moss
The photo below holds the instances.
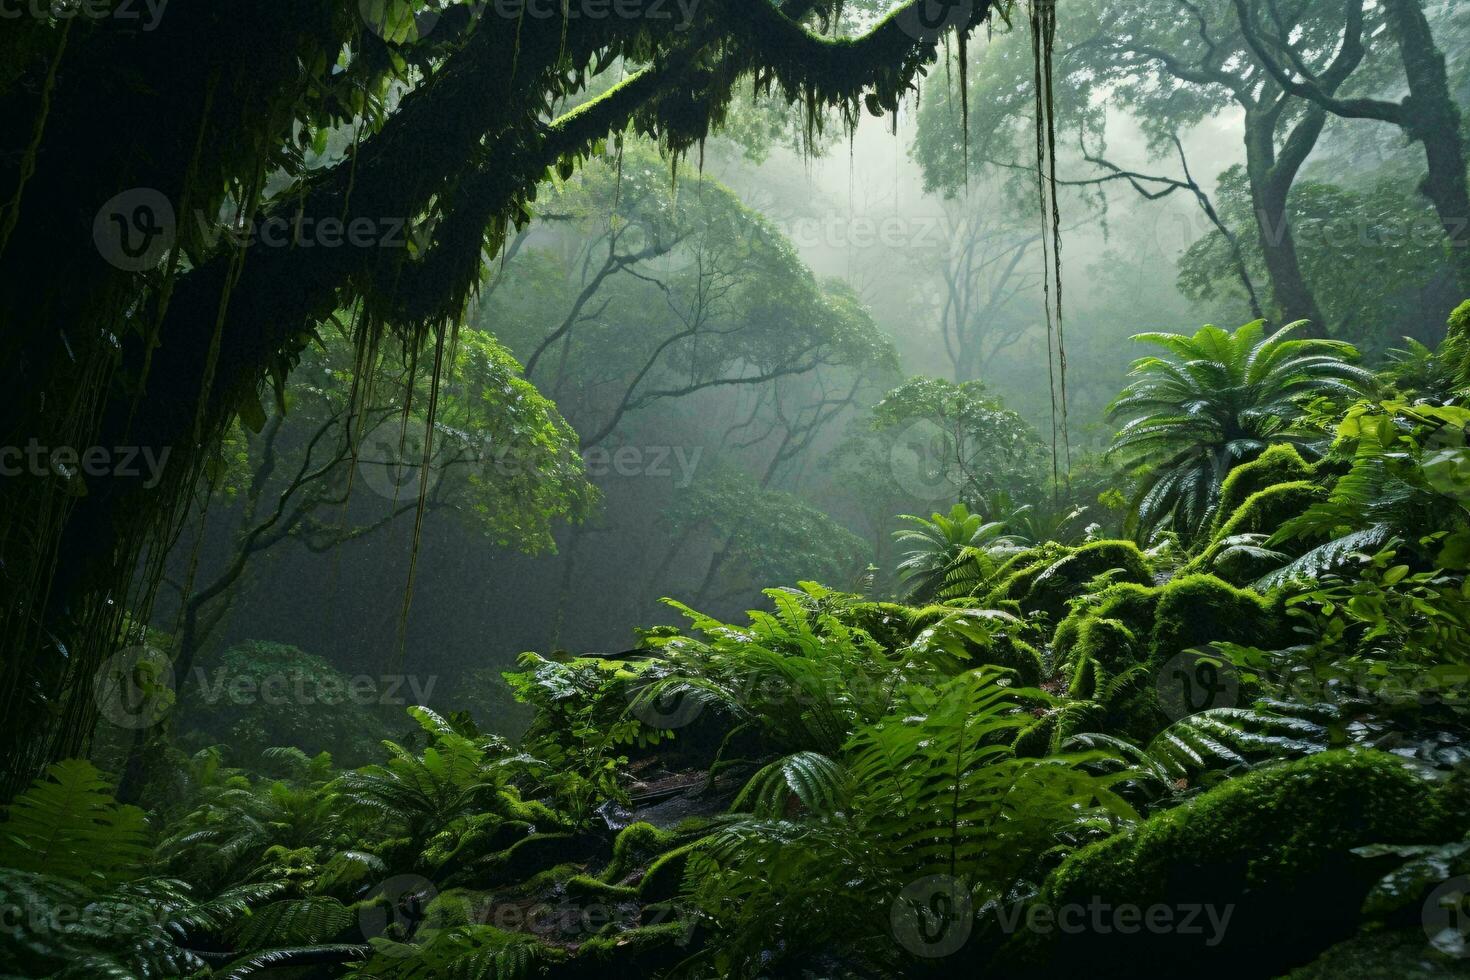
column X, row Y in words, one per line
column 635, row 844
column 1109, row 643
column 1182, row 613
column 969, row 639
column 526, row 857
column 455, row 907
column 1261, row 513
column 1278, row 464
column 1455, row 351
column 1103, row 643
column 1070, row 576
column 543, row 817
column 642, row 952
column 1269, row 853
column 1019, row 656
column 1130, row 604
column 1048, row 732
column 1012, row 580
column 1199, row 609
column 665, row 876
column 586, row 888
column 887, row 623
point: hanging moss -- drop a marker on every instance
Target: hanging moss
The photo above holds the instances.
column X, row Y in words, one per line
column 462, row 152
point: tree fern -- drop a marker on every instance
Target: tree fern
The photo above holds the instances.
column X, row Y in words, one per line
column 1215, row 400
column 943, row 544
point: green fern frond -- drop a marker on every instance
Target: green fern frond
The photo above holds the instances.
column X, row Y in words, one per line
column 68, row 824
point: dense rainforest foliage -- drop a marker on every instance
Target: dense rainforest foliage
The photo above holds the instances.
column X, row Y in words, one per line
column 819, row 389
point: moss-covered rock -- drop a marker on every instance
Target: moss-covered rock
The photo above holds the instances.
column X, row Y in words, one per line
column 1042, row 555
column 472, row 839
column 1278, row 464
column 665, row 876
column 1166, row 619
column 646, row 951
column 584, row 888
column 1048, row 732
column 535, row 853
column 636, row 844
column 963, row 639
column 1129, row 604
column 889, row 623
column 1069, row 576
column 1261, row 513
column 456, row 907
column 1012, row 581
column 1199, row 609
column 1269, row 853
column 1404, row 954
column 1109, row 643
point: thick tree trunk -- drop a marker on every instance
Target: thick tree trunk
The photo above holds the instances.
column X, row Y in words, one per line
column 1431, row 117
column 1270, row 184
